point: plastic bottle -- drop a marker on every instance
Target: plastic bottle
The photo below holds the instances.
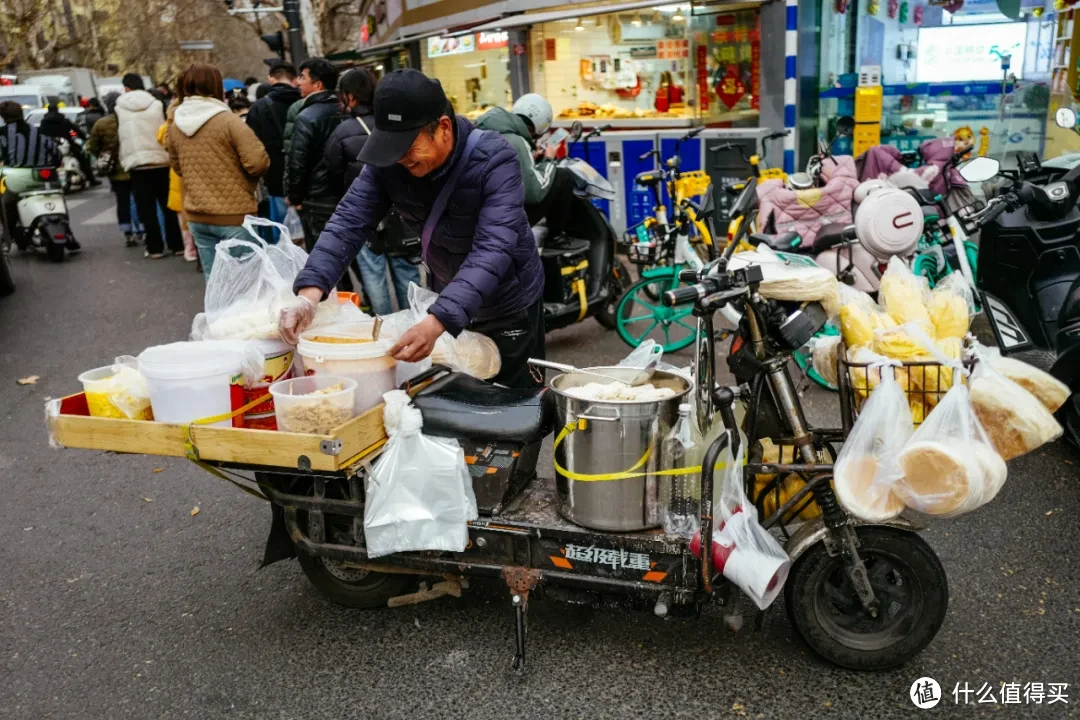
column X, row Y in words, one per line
column 680, row 495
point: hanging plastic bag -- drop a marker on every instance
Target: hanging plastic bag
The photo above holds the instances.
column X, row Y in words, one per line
column 867, row 469
column 950, row 467
column 904, row 296
column 127, row 390
column 791, row 277
column 470, row 352
column 742, row 550
column 1016, row 421
column 288, row 259
column 859, row 317
column 244, row 294
column 419, row 493
column 1050, row 391
column 645, row 356
column 952, row 303
column 295, row 226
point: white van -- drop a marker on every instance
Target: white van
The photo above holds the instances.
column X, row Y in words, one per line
column 29, row 96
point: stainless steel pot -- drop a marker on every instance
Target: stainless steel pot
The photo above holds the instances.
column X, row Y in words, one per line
column 612, row 437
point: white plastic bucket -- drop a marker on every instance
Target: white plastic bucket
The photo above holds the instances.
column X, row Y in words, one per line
column 192, row 381
column 279, row 357
column 368, row 363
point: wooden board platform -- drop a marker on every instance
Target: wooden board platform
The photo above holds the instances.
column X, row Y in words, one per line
column 71, row 426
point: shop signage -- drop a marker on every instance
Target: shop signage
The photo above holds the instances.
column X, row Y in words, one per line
column 755, row 70
column 492, row 40
column 519, row 48
column 549, row 49
column 643, row 52
column 364, row 34
column 440, row 46
column 703, row 76
column 730, row 89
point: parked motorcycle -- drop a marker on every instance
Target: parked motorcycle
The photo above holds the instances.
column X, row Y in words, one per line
column 1029, row 268
column 582, row 276
column 42, row 211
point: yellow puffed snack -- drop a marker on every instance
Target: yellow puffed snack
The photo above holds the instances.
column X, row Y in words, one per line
column 904, row 296
column 950, row 307
column 857, row 325
column 865, row 379
column 933, row 381
column 895, row 343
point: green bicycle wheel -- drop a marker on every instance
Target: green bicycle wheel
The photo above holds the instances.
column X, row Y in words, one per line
column 926, row 266
column 640, row 317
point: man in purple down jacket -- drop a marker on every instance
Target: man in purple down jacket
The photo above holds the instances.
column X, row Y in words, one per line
column 479, row 250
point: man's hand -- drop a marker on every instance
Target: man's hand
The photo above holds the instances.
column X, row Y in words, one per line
column 296, row 318
column 551, row 151
column 418, row 341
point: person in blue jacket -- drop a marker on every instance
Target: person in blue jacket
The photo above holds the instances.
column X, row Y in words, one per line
column 477, row 244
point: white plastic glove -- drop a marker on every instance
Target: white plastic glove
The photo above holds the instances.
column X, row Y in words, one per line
column 295, row 318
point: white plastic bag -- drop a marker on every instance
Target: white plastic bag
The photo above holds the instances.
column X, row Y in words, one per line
column 791, row 277
column 288, row 259
column 244, row 294
column 127, row 388
column 949, row 465
column 470, row 352
column 905, row 296
column 1050, row 391
column 646, row 356
column 867, row 468
column 419, row 493
column 1016, row 421
column 824, row 352
column 744, row 551
column 952, row 303
column 292, row 222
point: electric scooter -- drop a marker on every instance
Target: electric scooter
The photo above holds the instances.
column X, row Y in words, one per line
column 1029, row 269
column 42, row 211
column 582, row 276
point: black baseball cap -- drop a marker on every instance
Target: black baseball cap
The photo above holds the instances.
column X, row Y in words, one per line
column 405, row 101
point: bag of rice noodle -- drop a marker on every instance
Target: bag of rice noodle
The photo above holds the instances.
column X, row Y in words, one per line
column 904, row 295
column 867, row 468
column 791, row 277
column 1050, row 391
column 949, row 465
column 1016, row 421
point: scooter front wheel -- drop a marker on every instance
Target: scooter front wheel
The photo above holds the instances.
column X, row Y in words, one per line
column 909, row 584
column 639, row 317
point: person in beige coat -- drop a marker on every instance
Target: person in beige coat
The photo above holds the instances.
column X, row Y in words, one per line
column 219, row 158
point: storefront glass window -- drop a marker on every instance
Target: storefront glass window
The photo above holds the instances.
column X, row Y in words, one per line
column 474, row 70
column 625, row 68
column 727, row 67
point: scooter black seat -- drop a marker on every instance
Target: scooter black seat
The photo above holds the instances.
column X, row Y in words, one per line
column 829, row 236
column 649, row 177
column 784, row 242
column 460, row 406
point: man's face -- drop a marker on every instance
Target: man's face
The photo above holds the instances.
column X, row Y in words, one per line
column 429, row 151
column 307, row 85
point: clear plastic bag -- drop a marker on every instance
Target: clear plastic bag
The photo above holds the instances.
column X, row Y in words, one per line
column 292, row 222
column 742, row 550
column 904, row 296
column 647, row 355
column 791, row 277
column 128, row 391
column 950, row 467
column 951, row 306
column 288, row 259
column 867, row 469
column 244, row 294
column 824, row 352
column 470, row 352
column 419, row 494
column 1050, row 391
column 1016, row 421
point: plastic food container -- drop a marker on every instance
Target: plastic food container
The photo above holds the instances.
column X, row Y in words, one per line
column 98, row 388
column 193, row 381
column 314, row 405
column 348, row 351
column 279, row 366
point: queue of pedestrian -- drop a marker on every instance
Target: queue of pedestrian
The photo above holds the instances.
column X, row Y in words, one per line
column 187, row 163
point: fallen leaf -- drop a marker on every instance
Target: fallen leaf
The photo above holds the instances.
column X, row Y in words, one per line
column 1068, row 462
column 148, row 499
column 1049, row 513
column 194, row 511
column 28, row 380
column 157, row 470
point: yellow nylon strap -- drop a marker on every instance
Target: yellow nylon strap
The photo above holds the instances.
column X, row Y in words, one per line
column 579, row 286
column 627, row 474
column 193, row 451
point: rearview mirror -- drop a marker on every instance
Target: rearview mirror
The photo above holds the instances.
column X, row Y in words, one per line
column 845, row 125
column 1065, row 118
column 979, row 169
column 576, row 129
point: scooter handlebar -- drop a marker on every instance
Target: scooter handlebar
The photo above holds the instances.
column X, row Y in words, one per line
column 684, row 295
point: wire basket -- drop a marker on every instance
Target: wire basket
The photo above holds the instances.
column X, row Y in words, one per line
column 692, row 184
column 924, row 382
column 644, row 243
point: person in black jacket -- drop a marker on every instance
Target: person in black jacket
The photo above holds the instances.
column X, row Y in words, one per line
column 56, row 125
column 266, row 118
column 357, row 90
column 94, row 112
column 309, row 189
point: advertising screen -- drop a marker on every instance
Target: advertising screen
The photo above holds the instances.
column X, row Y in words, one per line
column 969, row 52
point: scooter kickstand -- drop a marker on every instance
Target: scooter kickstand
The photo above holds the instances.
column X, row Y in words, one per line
column 519, row 634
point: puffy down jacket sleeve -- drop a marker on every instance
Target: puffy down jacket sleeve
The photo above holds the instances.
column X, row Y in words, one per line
column 352, row 224
column 491, row 257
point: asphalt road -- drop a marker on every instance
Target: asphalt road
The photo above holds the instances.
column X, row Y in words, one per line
column 117, row 602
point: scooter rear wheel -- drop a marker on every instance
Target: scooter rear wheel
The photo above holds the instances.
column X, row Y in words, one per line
column 7, row 279
column 55, row 251
column 621, row 281
column 909, row 583
column 353, row 587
